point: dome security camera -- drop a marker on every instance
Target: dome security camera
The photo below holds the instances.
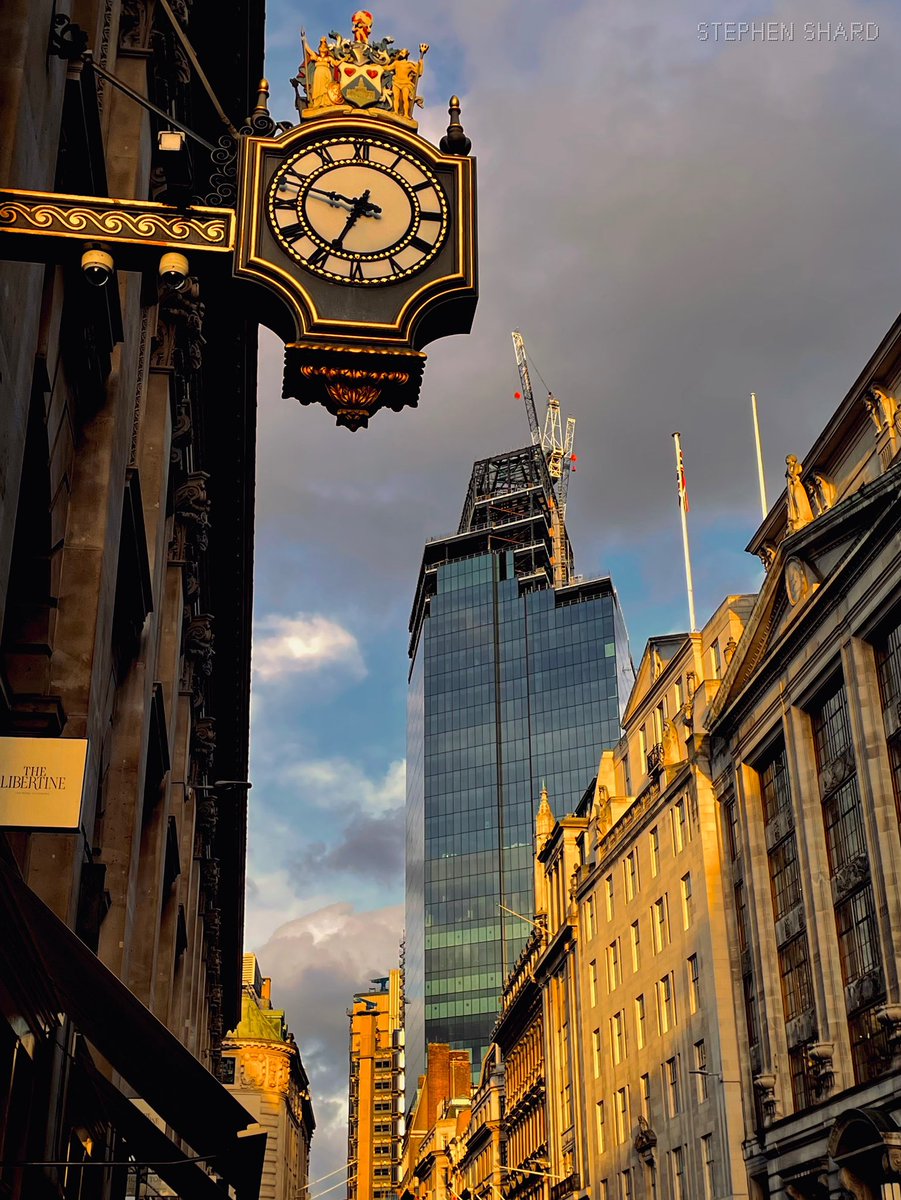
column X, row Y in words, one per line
column 97, row 266
column 174, row 270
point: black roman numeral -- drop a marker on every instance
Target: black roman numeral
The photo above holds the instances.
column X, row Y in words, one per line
column 318, row 257
column 399, row 159
column 419, row 244
column 325, row 155
column 395, row 265
column 430, row 216
column 296, row 175
column 281, row 202
column 420, row 187
column 292, row 232
column 356, row 270
column 361, row 151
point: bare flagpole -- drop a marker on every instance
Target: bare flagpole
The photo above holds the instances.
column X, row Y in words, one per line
column 763, row 504
column 683, row 510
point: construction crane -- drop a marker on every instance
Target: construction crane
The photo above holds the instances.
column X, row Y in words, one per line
column 557, row 446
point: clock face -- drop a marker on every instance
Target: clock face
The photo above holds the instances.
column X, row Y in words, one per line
column 358, row 211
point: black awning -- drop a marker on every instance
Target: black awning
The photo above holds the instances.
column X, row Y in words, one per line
column 161, row 1070
column 150, row 1145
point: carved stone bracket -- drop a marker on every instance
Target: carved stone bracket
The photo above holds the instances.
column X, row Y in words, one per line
column 889, row 1017
column 199, row 639
column 820, row 1056
column 203, row 742
column 353, row 384
column 765, row 1086
column 850, row 876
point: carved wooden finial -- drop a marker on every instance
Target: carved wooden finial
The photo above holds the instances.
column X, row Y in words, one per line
column 455, row 140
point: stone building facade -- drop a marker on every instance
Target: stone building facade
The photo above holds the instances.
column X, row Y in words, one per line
column 262, row 1067
column 127, row 419
column 807, row 767
column 662, row 1106
column 437, row 1117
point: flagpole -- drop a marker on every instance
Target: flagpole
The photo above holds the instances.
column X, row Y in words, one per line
column 680, row 479
column 763, row 504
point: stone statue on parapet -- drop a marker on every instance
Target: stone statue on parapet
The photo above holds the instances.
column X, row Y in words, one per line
column 358, row 73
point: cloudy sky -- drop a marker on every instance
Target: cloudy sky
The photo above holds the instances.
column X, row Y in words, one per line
column 673, row 222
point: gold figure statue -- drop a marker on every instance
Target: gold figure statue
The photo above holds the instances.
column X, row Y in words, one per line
column 323, row 90
column 361, row 23
column 406, row 77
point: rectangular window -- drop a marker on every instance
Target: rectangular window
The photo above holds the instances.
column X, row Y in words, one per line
column 645, row 1085
column 626, row 1183
column 640, row 1027
column 679, row 819
column 630, row 874
column 700, row 1071
column 605, row 1190
column 643, row 748
column 671, row 1087
column 715, row 661
column 794, row 969
column 614, row 966
column 677, row 1173
column 858, row 935
column 785, row 878
column 636, row 945
column 799, row 1073
column 750, row 999
column 659, row 924
column 842, row 813
column 694, row 984
column 730, row 829
column 686, row 901
column 589, row 918
column 654, row 839
column 775, row 793
column 608, row 895
column 593, row 981
column 888, row 666
column 678, row 694
column 596, row 1052
column 741, row 916
column 599, row 1125
column 618, row 1037
column 622, row 1115
column 666, row 1004
column 708, row 1160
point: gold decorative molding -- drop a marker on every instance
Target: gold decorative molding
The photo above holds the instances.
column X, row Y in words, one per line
column 116, row 221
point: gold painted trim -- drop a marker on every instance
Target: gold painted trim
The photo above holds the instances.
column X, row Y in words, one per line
column 135, row 222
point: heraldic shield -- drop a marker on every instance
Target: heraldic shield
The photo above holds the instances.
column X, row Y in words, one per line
column 361, row 85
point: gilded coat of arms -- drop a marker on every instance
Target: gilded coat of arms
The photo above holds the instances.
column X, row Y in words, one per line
column 357, row 72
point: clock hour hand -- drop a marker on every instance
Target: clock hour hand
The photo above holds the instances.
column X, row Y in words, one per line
column 362, row 207
column 339, row 201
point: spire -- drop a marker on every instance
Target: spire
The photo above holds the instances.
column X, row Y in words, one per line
column 545, row 820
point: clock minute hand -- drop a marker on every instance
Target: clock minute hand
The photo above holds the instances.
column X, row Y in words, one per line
column 334, row 197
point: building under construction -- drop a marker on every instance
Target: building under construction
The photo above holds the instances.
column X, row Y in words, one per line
column 519, row 670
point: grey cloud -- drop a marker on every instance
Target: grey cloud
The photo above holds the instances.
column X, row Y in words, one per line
column 370, row 848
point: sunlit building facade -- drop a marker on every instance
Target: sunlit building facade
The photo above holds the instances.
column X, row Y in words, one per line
column 376, row 1089
column 519, row 673
column 806, row 731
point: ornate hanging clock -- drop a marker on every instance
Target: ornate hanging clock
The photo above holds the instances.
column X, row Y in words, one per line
column 363, row 230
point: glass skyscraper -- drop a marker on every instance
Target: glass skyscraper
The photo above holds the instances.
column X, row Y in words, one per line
column 519, row 672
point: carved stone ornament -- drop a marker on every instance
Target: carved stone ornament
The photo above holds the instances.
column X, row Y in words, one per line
column 356, row 385
column 799, row 510
column 835, row 772
column 864, row 991
column 850, row 876
column 881, row 408
column 800, row 581
column 889, row 1017
column 821, row 492
column 207, row 817
column 135, row 24
column 765, row 1086
column 203, row 742
column 199, row 639
column 645, row 1141
column 766, row 554
column 820, row 1056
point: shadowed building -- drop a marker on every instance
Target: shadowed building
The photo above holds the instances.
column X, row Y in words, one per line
column 127, row 427
column 262, row 1067
column 376, row 1089
column 519, row 673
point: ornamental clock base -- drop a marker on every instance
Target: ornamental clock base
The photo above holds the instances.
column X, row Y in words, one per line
column 352, row 382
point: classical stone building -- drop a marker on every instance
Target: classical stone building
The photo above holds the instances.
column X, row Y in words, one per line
column 127, row 417
column 477, row 1152
column 659, row 1052
column 376, row 1089
column 261, row 1066
column 805, row 730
